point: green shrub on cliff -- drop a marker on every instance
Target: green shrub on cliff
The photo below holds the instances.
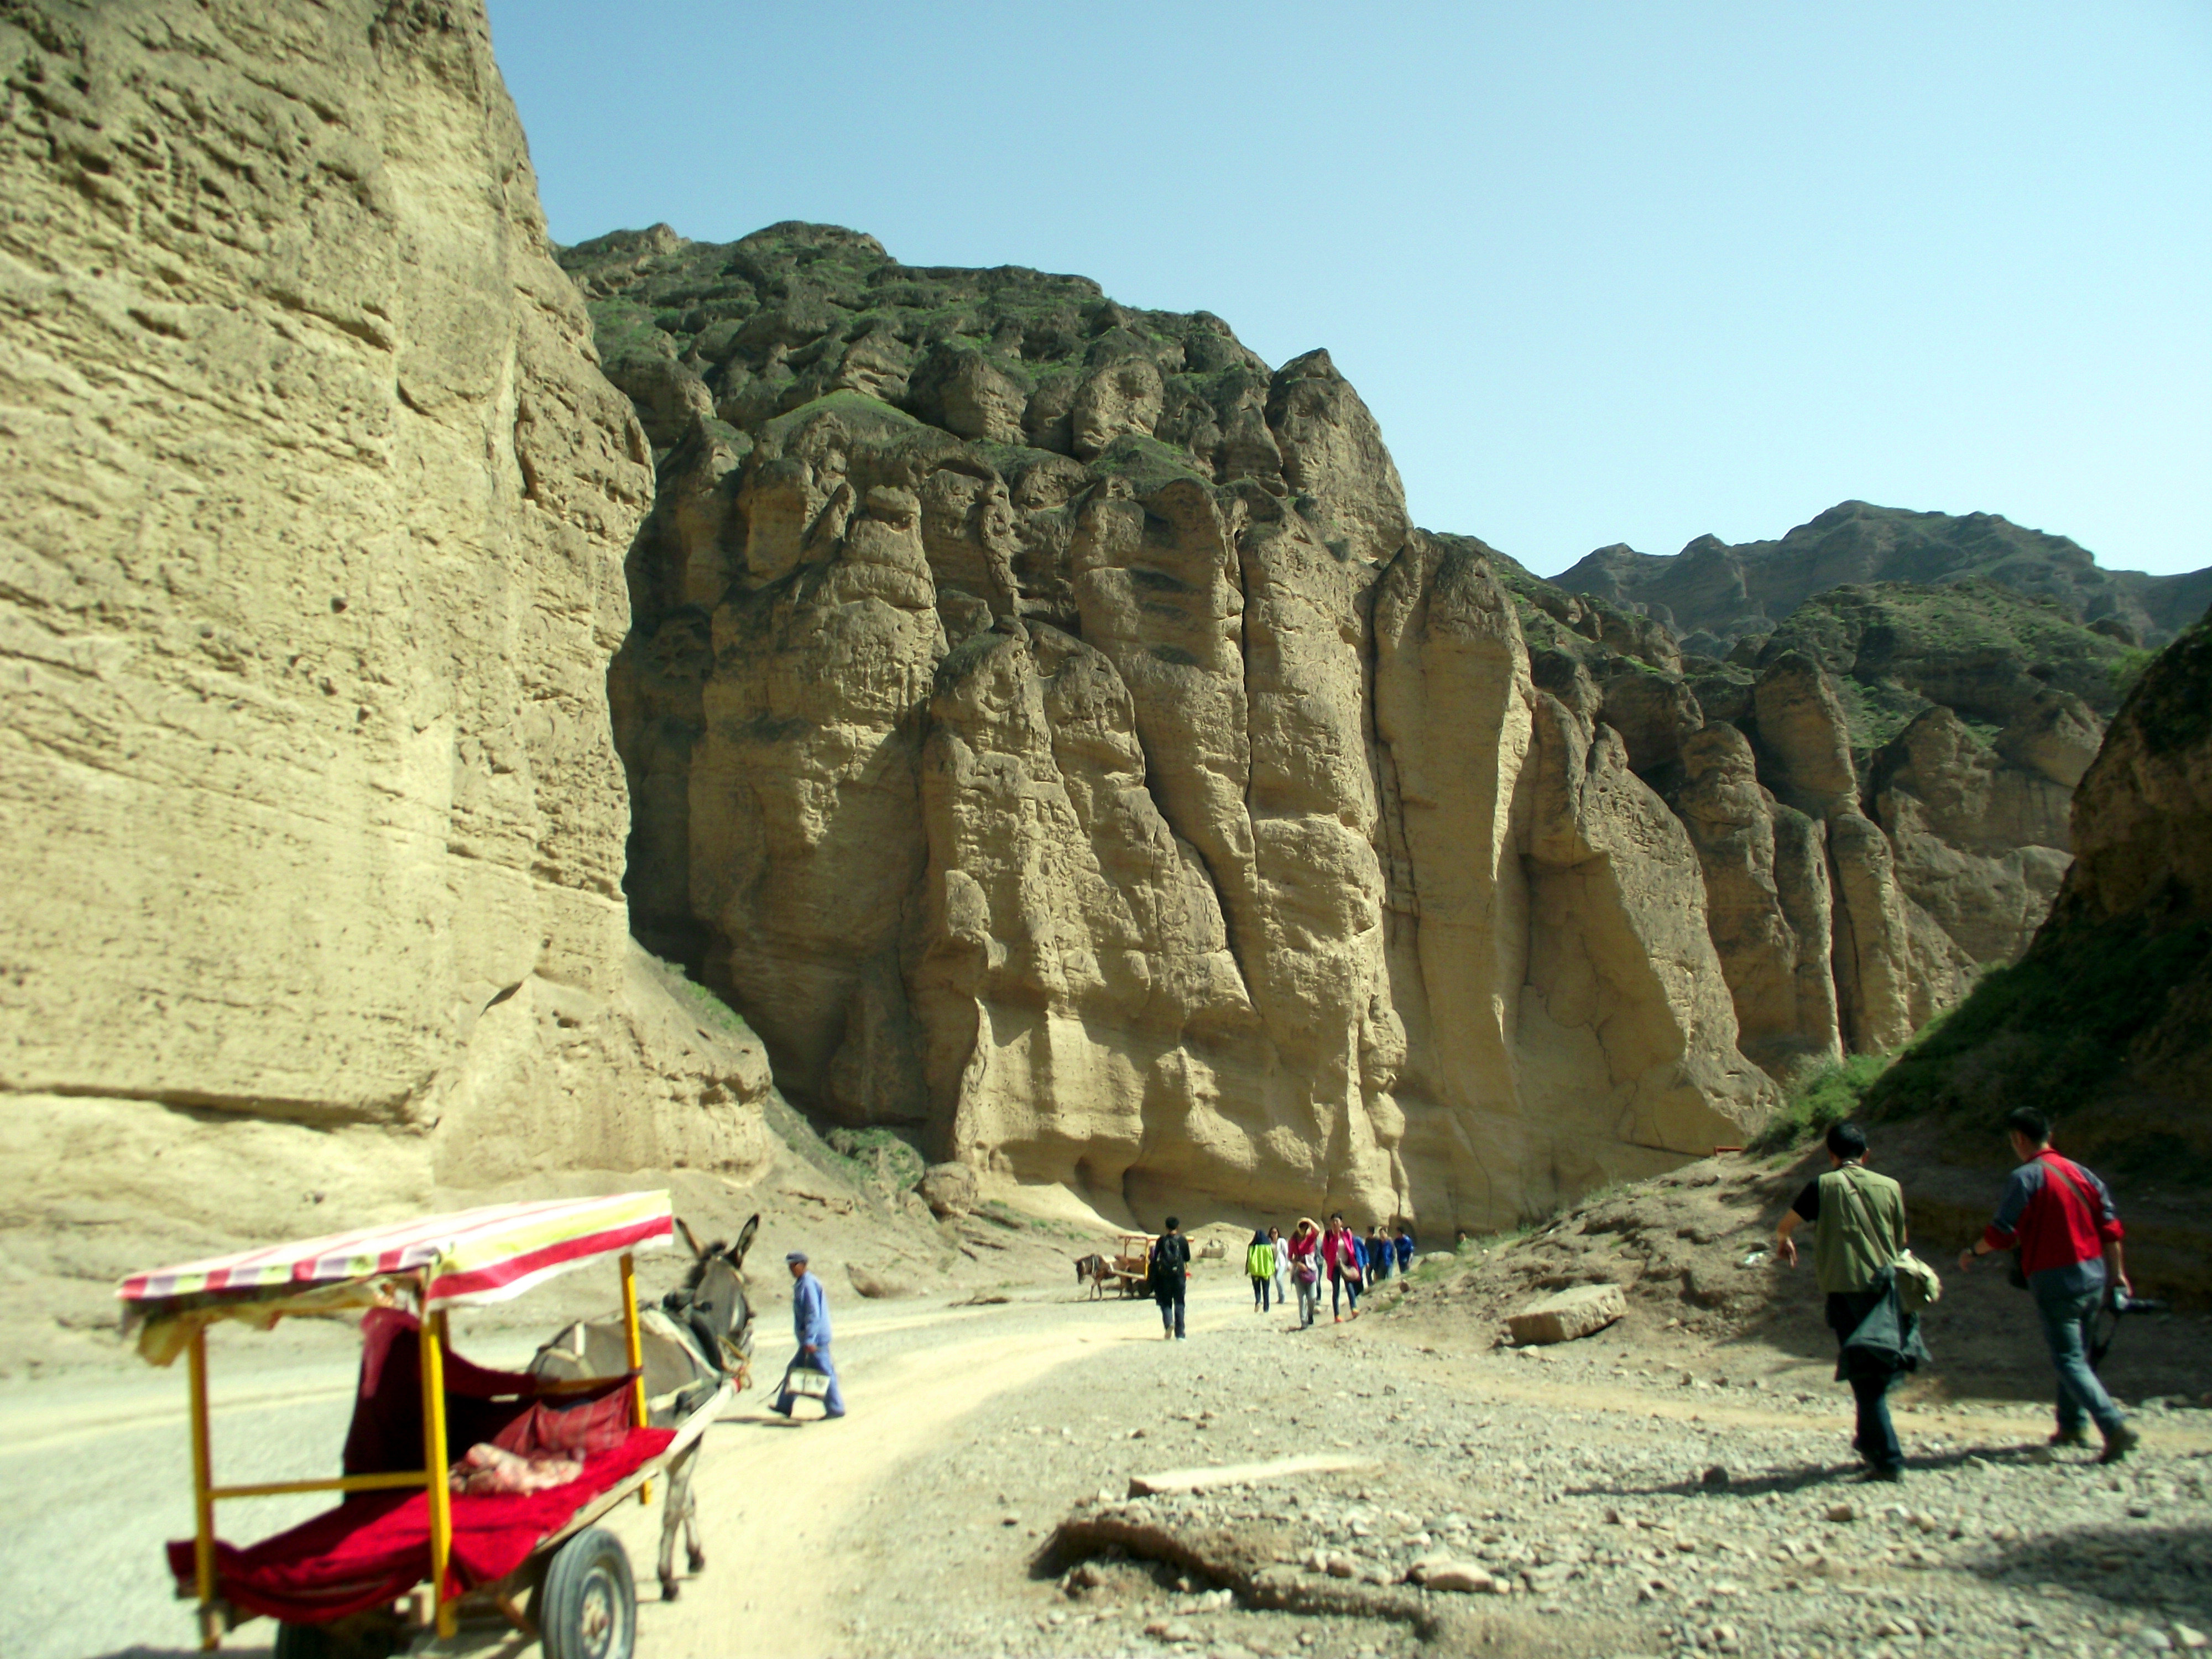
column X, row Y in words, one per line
column 1819, row 1098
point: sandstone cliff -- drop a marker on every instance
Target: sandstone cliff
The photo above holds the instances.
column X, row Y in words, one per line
column 1713, row 593
column 316, row 503
column 1046, row 726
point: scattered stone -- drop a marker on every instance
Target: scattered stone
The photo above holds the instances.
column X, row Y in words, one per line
column 1568, row 1314
column 876, row 1287
column 1715, row 1478
column 1243, row 1474
column 1840, row 1513
column 1465, row 1577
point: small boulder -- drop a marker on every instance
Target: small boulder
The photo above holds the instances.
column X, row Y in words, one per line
column 1464, row 1576
column 876, row 1287
column 949, row 1189
column 1568, row 1314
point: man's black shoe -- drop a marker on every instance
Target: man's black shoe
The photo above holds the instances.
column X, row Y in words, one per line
column 1890, row 1476
column 2070, row 1438
column 2119, row 1442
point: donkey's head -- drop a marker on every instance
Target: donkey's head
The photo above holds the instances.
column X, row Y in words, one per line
column 714, row 1292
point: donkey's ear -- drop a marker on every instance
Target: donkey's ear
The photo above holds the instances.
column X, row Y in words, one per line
column 690, row 1239
column 744, row 1241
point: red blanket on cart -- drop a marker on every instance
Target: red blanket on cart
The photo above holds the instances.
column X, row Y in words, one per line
column 375, row 1547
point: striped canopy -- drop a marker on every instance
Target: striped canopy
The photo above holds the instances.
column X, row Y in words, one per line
column 477, row 1255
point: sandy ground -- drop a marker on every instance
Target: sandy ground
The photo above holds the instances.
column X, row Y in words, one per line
column 95, row 1471
column 913, row 1525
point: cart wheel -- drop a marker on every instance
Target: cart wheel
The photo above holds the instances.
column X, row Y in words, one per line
column 588, row 1607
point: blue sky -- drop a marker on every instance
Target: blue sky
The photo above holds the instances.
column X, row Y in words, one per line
column 1605, row 272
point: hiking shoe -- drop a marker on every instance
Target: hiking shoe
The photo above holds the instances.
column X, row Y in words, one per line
column 2119, row 1442
column 2070, row 1438
column 1891, row 1476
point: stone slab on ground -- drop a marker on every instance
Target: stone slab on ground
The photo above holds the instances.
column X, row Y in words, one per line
column 1243, row 1475
column 1568, row 1314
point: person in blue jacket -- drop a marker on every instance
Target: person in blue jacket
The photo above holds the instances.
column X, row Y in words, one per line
column 1379, row 1257
column 1404, row 1245
column 810, row 1320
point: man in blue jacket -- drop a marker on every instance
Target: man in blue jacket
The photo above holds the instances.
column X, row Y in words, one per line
column 810, row 1320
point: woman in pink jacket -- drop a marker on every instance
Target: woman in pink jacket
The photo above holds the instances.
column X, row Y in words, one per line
column 1340, row 1251
column 1304, row 1249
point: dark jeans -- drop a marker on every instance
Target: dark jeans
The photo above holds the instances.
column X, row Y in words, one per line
column 1345, row 1284
column 1170, row 1297
column 1876, row 1437
column 2067, row 1312
column 1260, row 1289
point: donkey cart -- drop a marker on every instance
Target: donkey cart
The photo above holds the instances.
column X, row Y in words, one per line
column 1131, row 1264
column 464, row 1490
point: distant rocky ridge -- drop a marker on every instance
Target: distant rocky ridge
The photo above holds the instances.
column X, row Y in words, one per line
column 1713, row 594
column 1044, row 723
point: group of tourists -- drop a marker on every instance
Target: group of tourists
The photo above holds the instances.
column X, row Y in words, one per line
column 1278, row 1265
column 2058, row 1217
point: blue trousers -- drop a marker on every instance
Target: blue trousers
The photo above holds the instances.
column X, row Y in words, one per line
column 2067, row 1316
column 833, row 1403
column 1342, row 1284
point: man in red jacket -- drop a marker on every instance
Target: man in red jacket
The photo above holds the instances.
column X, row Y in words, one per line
column 2061, row 1219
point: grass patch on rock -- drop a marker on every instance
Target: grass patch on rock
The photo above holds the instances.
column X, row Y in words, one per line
column 1821, row 1097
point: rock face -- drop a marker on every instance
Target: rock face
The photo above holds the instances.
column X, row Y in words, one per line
column 316, row 505
column 1043, row 721
column 1909, row 751
column 2104, row 1020
column 1713, row 593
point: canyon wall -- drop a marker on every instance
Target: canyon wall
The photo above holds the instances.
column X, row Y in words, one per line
column 1045, row 725
column 1039, row 718
column 315, row 504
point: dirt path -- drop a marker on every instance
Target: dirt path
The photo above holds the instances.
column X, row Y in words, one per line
column 911, row 1525
column 779, row 1503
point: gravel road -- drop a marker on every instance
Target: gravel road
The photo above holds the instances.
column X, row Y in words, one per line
column 1576, row 1481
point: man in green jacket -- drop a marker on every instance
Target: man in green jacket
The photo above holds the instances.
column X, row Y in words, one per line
column 1859, row 1228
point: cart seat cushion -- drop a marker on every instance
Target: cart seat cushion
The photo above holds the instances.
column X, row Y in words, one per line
column 375, row 1547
